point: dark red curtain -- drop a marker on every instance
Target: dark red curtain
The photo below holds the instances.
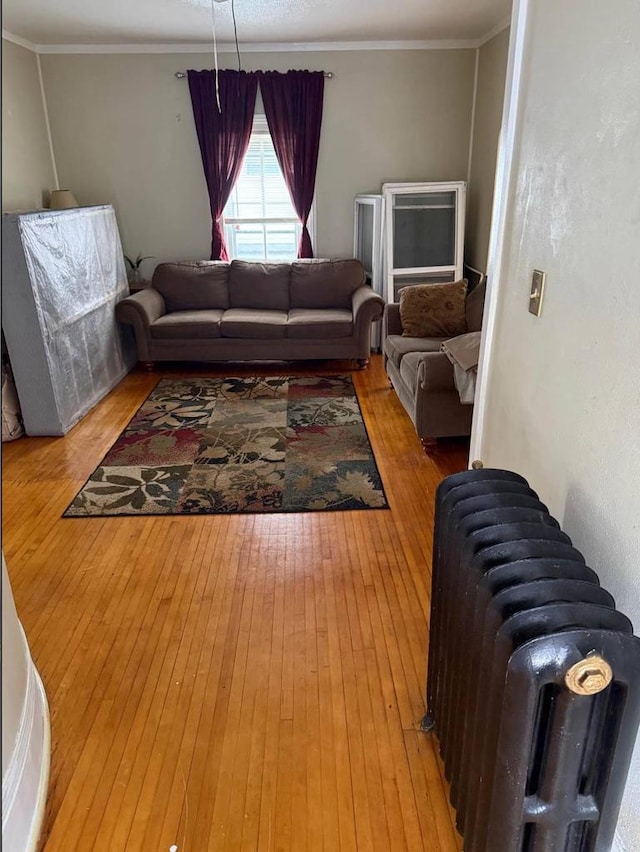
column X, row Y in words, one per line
column 293, row 108
column 223, row 136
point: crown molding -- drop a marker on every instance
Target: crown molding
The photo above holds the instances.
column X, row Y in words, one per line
column 499, row 27
column 265, row 47
column 260, row 47
column 21, row 42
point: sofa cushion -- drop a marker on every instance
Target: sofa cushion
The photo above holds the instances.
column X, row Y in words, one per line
column 409, row 370
column 262, row 286
column 187, row 325
column 325, row 283
column 253, row 324
column 191, row 285
column 433, row 310
column 317, row 323
column 397, row 347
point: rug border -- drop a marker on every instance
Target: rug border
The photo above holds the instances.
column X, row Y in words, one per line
column 86, row 482
column 375, row 460
column 386, row 508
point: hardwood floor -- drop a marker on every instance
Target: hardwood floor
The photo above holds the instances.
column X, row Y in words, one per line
column 232, row 683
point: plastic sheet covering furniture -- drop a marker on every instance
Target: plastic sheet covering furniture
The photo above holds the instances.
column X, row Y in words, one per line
column 62, row 275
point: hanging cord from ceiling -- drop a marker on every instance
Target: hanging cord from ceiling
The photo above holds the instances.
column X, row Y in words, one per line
column 215, row 44
column 235, row 32
column 183, row 74
column 215, row 54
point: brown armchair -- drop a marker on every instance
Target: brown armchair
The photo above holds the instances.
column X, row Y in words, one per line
column 422, row 375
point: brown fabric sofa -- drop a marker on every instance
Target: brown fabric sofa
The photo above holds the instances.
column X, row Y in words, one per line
column 241, row 311
column 422, row 375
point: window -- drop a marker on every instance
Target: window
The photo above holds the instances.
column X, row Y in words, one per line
column 259, row 220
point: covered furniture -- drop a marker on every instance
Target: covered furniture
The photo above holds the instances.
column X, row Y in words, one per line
column 62, row 275
column 423, row 376
column 241, row 311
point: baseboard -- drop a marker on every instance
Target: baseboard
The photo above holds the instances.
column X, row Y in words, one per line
column 24, row 785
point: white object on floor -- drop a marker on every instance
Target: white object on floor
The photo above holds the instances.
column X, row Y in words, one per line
column 26, row 734
column 11, row 420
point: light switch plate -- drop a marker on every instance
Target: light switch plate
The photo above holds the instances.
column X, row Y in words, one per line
column 537, row 292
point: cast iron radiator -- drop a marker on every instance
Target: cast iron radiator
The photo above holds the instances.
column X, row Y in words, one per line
column 533, row 685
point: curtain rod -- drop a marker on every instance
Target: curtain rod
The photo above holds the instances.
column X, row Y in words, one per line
column 182, row 74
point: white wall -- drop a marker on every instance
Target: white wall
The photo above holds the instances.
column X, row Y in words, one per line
column 492, row 71
column 563, row 402
column 27, row 168
column 123, row 133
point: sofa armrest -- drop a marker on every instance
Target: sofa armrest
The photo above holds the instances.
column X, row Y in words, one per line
column 435, row 372
column 141, row 310
column 391, row 320
column 366, row 305
column 146, row 306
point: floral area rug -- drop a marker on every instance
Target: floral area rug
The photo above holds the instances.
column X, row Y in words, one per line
column 218, row 446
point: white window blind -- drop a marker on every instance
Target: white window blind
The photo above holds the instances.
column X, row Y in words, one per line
column 259, row 220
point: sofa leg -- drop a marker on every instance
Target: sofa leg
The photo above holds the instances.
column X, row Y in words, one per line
column 363, row 363
column 429, row 445
column 148, row 366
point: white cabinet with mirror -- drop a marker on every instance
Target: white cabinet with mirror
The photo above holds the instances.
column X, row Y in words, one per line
column 411, row 233
column 367, row 247
column 423, row 233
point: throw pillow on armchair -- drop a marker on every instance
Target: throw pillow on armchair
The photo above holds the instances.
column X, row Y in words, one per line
column 433, row 310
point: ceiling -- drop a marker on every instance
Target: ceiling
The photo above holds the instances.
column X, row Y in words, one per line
column 142, row 22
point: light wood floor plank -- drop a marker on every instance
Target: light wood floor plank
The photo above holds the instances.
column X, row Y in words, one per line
column 232, row 683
